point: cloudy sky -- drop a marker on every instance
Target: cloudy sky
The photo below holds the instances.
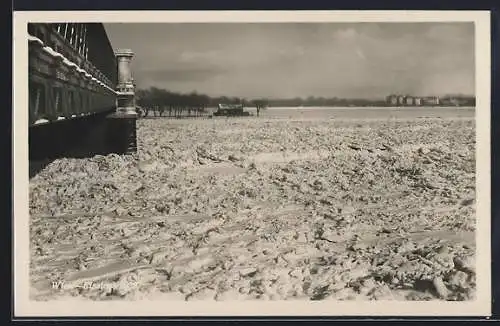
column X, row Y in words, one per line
column 301, row 59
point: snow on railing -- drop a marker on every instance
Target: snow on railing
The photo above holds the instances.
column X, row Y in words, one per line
column 68, row 62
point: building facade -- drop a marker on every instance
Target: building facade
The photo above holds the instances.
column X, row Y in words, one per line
column 392, row 100
column 431, row 100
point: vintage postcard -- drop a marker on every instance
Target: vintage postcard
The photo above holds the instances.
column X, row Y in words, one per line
column 329, row 163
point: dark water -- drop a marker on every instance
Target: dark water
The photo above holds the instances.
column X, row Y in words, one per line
column 368, row 113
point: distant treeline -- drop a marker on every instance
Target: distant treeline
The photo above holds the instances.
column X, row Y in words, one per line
column 360, row 102
column 161, row 99
column 323, row 101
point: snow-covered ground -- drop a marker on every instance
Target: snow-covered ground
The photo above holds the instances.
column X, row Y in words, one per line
column 263, row 209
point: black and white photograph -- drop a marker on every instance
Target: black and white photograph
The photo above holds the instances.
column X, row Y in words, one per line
column 256, row 160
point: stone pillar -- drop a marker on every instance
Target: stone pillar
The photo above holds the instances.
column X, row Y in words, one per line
column 122, row 136
column 125, row 102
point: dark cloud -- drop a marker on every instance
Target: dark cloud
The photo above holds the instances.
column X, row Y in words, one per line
column 302, row 59
column 180, row 74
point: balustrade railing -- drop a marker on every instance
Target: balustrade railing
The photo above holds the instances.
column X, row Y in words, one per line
column 63, row 82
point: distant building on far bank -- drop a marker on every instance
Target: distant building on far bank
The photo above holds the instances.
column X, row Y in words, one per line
column 392, row 100
column 431, row 100
column 410, row 100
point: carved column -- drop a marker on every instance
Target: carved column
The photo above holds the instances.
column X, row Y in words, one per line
column 125, row 104
column 122, row 136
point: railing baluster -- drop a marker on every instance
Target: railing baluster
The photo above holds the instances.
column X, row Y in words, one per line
column 56, row 102
column 49, row 104
column 37, row 102
column 64, row 104
column 78, row 101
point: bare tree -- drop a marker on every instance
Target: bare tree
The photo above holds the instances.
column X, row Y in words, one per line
column 260, row 104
